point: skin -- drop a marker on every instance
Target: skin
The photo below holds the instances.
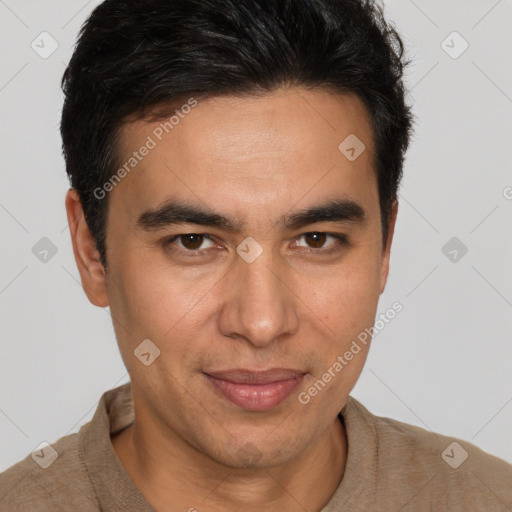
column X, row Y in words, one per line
column 253, row 159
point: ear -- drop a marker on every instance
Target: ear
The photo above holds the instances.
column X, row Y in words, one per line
column 87, row 256
column 386, row 252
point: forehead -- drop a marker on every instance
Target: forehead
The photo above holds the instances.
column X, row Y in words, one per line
column 269, row 148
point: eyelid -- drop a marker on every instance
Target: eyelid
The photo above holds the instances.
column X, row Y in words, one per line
column 341, row 238
column 169, row 241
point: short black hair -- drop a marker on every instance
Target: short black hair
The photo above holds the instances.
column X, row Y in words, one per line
column 132, row 56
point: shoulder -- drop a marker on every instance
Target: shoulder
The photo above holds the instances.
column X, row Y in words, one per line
column 51, row 478
column 447, row 470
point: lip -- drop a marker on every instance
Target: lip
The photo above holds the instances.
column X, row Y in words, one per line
column 256, row 390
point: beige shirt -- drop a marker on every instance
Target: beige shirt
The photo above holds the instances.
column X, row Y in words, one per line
column 391, row 466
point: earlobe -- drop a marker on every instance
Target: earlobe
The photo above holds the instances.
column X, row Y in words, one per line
column 87, row 257
column 387, row 249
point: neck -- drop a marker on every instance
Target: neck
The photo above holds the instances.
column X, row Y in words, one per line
column 175, row 476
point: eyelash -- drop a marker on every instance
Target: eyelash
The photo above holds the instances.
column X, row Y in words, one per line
column 341, row 238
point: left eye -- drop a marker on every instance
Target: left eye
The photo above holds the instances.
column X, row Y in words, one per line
column 316, row 239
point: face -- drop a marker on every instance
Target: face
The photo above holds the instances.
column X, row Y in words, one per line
column 245, row 240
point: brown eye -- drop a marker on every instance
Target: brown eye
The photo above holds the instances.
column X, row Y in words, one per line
column 192, row 241
column 190, row 245
column 315, row 240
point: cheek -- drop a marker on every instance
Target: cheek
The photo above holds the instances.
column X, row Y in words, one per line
column 155, row 306
column 346, row 300
column 347, row 305
column 157, row 297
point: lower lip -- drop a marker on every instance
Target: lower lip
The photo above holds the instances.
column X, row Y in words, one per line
column 256, row 397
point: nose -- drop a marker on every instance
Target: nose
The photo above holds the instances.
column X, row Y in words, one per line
column 260, row 306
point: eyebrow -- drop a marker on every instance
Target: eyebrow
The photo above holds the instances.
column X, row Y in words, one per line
column 174, row 212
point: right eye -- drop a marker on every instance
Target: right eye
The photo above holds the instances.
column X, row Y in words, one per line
column 189, row 242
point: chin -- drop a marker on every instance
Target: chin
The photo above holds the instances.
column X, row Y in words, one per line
column 255, row 455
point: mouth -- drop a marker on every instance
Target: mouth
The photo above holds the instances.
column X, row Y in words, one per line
column 256, row 390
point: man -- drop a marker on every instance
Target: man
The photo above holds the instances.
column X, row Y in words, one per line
column 234, row 169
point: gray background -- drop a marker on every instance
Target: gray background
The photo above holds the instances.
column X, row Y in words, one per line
column 444, row 363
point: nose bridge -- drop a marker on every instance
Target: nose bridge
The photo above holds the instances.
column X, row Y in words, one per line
column 260, row 307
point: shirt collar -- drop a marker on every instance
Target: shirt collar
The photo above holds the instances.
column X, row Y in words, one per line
column 116, row 491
